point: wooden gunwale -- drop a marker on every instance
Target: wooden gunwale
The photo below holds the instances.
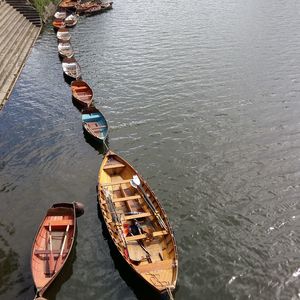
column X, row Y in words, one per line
column 40, row 252
column 165, row 264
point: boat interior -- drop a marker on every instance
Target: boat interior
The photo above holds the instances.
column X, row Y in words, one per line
column 150, row 247
column 52, row 244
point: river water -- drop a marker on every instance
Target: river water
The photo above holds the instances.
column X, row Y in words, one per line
column 202, row 97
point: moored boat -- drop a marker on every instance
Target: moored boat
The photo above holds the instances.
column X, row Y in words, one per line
column 82, row 7
column 137, row 223
column 63, row 34
column 65, row 49
column 58, row 23
column 82, row 92
column 53, row 244
column 71, row 68
column 60, row 14
column 71, row 20
column 94, row 123
column 102, row 7
column 68, row 4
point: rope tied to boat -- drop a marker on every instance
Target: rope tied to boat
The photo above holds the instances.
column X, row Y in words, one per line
column 169, row 293
column 154, row 278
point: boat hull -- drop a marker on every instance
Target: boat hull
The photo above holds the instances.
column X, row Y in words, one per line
column 151, row 250
column 53, row 244
column 94, row 124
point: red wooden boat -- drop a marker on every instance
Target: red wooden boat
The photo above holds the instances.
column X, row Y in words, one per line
column 58, row 23
column 53, row 243
column 82, row 92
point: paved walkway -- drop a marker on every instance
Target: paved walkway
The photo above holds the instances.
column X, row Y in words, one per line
column 20, row 25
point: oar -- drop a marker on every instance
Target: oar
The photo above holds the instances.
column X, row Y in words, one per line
column 47, row 264
column 136, row 183
column 59, row 259
column 51, row 260
column 115, row 217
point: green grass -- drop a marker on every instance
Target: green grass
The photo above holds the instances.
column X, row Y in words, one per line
column 40, row 4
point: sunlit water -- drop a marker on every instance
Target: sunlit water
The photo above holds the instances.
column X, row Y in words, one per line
column 202, row 97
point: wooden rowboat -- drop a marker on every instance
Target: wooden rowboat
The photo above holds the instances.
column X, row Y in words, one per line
column 52, row 244
column 81, row 7
column 137, row 223
column 71, row 68
column 71, row 20
column 92, row 10
column 99, row 8
column 82, row 92
column 68, row 4
column 63, row 34
column 58, row 23
column 65, row 49
column 60, row 14
column 94, row 123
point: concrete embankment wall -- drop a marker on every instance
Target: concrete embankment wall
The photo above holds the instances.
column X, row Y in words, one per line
column 20, row 25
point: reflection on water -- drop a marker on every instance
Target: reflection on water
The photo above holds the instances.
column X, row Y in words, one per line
column 9, row 260
column 134, row 282
column 203, row 99
column 62, row 277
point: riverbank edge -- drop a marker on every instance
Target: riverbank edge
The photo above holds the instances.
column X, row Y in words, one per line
column 45, row 8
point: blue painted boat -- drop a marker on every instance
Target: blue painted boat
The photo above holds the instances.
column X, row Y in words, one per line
column 94, row 123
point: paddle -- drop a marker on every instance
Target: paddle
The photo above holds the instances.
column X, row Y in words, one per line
column 59, row 259
column 51, row 260
column 136, row 183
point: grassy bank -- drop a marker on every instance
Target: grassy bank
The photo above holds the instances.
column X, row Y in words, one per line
column 40, row 5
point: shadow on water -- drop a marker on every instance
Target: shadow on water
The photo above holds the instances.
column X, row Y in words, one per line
column 63, row 276
column 141, row 289
column 8, row 260
column 99, row 146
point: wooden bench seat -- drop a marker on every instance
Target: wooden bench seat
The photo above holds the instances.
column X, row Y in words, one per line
column 155, row 266
column 115, row 183
column 138, row 216
column 54, row 223
column 55, row 252
column 94, row 125
column 143, row 236
column 135, row 197
column 114, row 165
column 81, row 88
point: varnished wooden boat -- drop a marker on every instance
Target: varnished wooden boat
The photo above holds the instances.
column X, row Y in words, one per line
column 52, row 245
column 99, row 8
column 58, row 23
column 95, row 9
column 71, row 20
column 94, row 123
column 63, row 34
column 68, row 4
column 82, row 7
column 65, row 49
column 137, row 223
column 71, row 68
column 82, row 92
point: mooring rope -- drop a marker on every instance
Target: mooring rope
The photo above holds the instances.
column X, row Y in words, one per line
column 157, row 282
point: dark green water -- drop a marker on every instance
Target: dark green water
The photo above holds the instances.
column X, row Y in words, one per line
column 202, row 97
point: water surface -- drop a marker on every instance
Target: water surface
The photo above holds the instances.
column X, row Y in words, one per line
column 202, row 97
